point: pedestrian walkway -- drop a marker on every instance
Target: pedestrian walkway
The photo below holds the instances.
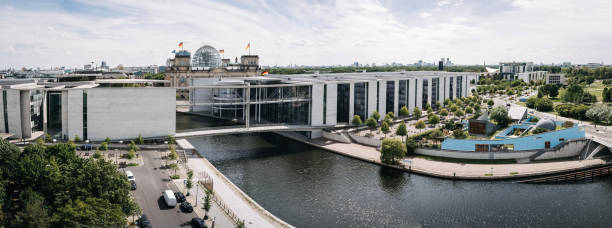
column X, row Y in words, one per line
column 448, row 169
column 240, row 203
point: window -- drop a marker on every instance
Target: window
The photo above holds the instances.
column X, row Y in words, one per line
column 390, row 96
column 84, row 114
column 547, row 145
column 561, row 139
column 4, row 105
column 482, row 148
column 324, row 104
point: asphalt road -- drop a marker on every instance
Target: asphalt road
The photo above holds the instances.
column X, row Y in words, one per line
column 151, row 182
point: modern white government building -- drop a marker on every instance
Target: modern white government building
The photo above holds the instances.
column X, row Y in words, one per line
column 324, row 99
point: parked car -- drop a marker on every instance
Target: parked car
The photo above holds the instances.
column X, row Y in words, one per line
column 130, row 176
column 86, row 147
column 180, row 197
column 143, row 222
column 133, row 185
column 169, row 198
column 186, row 207
column 198, row 223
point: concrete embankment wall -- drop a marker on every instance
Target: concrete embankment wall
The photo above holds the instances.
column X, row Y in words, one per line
column 336, row 136
column 366, row 140
column 571, row 149
column 474, row 155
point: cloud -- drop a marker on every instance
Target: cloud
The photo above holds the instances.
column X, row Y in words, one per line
column 312, row 32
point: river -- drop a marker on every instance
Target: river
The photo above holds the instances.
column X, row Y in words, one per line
column 309, row 187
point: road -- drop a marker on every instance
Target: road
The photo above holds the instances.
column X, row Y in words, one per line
column 151, row 183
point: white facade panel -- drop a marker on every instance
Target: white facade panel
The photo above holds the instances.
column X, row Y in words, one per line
column 396, row 98
column 75, row 114
column 372, row 97
column 411, row 94
column 351, row 102
column 332, row 104
column 317, row 105
column 13, row 107
column 124, row 113
column 382, row 100
column 419, row 96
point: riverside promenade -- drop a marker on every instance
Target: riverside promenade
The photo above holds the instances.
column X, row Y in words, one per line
column 240, row 204
column 448, row 169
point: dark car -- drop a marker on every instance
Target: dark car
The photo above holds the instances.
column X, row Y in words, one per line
column 198, row 223
column 133, row 184
column 143, row 222
column 179, row 197
column 86, row 147
column 186, row 207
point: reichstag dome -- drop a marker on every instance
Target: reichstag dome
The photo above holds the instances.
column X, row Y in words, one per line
column 206, row 56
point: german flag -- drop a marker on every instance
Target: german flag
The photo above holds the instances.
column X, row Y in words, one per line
column 221, row 51
column 181, row 45
column 248, row 46
column 264, row 73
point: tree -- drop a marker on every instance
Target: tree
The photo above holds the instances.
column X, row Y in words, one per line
column 459, row 113
column 173, row 155
column 107, row 140
column 376, row 115
column 568, row 124
column 139, row 140
column 490, row 103
column 469, row 110
column 401, row 130
column 417, row 112
column 411, row 145
column 392, row 150
column 429, row 110
column 544, row 104
column 427, row 106
column 444, row 112
column 434, row 119
column 459, row 134
column 371, row 122
column 390, row 114
column 600, row 114
column 174, row 167
column 453, row 108
column 574, row 93
column 388, row 119
column 384, row 127
column 356, row 120
column 437, row 105
column 103, row 146
column 133, row 146
column 77, row 138
column 48, row 138
column 447, row 101
column 500, row 116
column 404, row 111
column 207, row 203
column 92, row 212
column 171, row 139
column 419, row 124
column 131, row 154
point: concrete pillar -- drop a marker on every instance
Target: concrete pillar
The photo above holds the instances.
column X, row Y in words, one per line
column 429, row 90
column 332, row 104
column 2, row 129
column 351, row 101
column 316, row 112
column 411, row 96
column 26, row 122
column 441, row 90
column 446, row 88
column 372, row 105
column 382, row 94
column 396, row 98
column 419, row 96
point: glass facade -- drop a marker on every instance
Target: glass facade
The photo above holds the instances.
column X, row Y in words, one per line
column 390, row 96
column 450, row 89
column 84, row 114
column 4, row 105
column 459, row 86
column 54, row 113
column 206, row 56
column 425, row 93
column 294, row 112
column 403, row 94
column 435, row 94
column 325, row 104
column 36, row 117
column 343, row 105
column 232, row 97
column 361, row 100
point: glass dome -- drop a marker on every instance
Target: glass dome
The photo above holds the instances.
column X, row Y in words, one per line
column 546, row 123
column 206, row 56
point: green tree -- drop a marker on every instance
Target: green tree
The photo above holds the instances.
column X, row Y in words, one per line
column 401, row 130
column 48, row 138
column 453, row 108
column 429, row 110
column 139, row 140
column 469, row 110
column 411, row 145
column 133, row 146
column 107, row 140
column 103, row 146
column 459, row 134
column 171, row 139
column 376, row 115
column 447, row 101
column 207, row 203
column 174, row 167
column 459, row 113
column 444, row 112
column 437, row 105
column 392, row 150
column 404, row 111
column 384, row 127
column 419, row 124
column 356, row 120
column 490, row 103
column 500, row 116
column 92, row 212
column 388, row 119
column 371, row 122
column 77, row 138
column 390, row 114
column 173, row 155
column 417, row 112
column 427, row 106
column 434, row 119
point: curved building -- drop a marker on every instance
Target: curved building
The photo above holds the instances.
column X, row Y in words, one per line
column 206, row 56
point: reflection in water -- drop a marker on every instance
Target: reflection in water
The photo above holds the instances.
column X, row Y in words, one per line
column 308, row 187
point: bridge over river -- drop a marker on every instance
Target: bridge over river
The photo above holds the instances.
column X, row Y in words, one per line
column 238, row 129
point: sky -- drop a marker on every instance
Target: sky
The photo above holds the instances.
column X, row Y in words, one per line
column 72, row 33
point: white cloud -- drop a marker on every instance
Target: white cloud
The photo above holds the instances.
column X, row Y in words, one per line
column 339, row 32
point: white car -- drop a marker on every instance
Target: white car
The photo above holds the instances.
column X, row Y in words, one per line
column 130, row 176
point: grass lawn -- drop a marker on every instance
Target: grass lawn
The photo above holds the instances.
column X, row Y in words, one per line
column 596, row 88
column 467, row 161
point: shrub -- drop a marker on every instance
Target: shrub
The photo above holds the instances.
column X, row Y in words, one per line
column 401, row 129
column 459, row 112
column 77, row 138
column 459, row 134
column 411, row 145
column 490, row 103
column 173, row 155
column 107, row 140
column 444, row 112
column 133, row 146
column 453, row 108
column 139, row 140
column 434, row 119
column 371, row 122
column 175, row 176
column 538, row 130
column 356, row 120
column 384, row 127
column 404, row 111
column 97, row 154
column 417, row 112
column 103, row 146
column 500, row 115
column 48, row 138
column 391, row 114
column 388, row 119
column 568, row 124
column 469, row 110
column 436, row 134
column 419, row 124
column 392, row 150
column 171, row 139
column 376, row 115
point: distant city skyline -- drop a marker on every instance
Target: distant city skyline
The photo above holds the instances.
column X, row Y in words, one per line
column 73, row 33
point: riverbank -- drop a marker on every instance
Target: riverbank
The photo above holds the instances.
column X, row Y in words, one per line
column 239, row 202
column 446, row 169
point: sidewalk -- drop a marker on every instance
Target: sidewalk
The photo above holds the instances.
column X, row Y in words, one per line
column 452, row 170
